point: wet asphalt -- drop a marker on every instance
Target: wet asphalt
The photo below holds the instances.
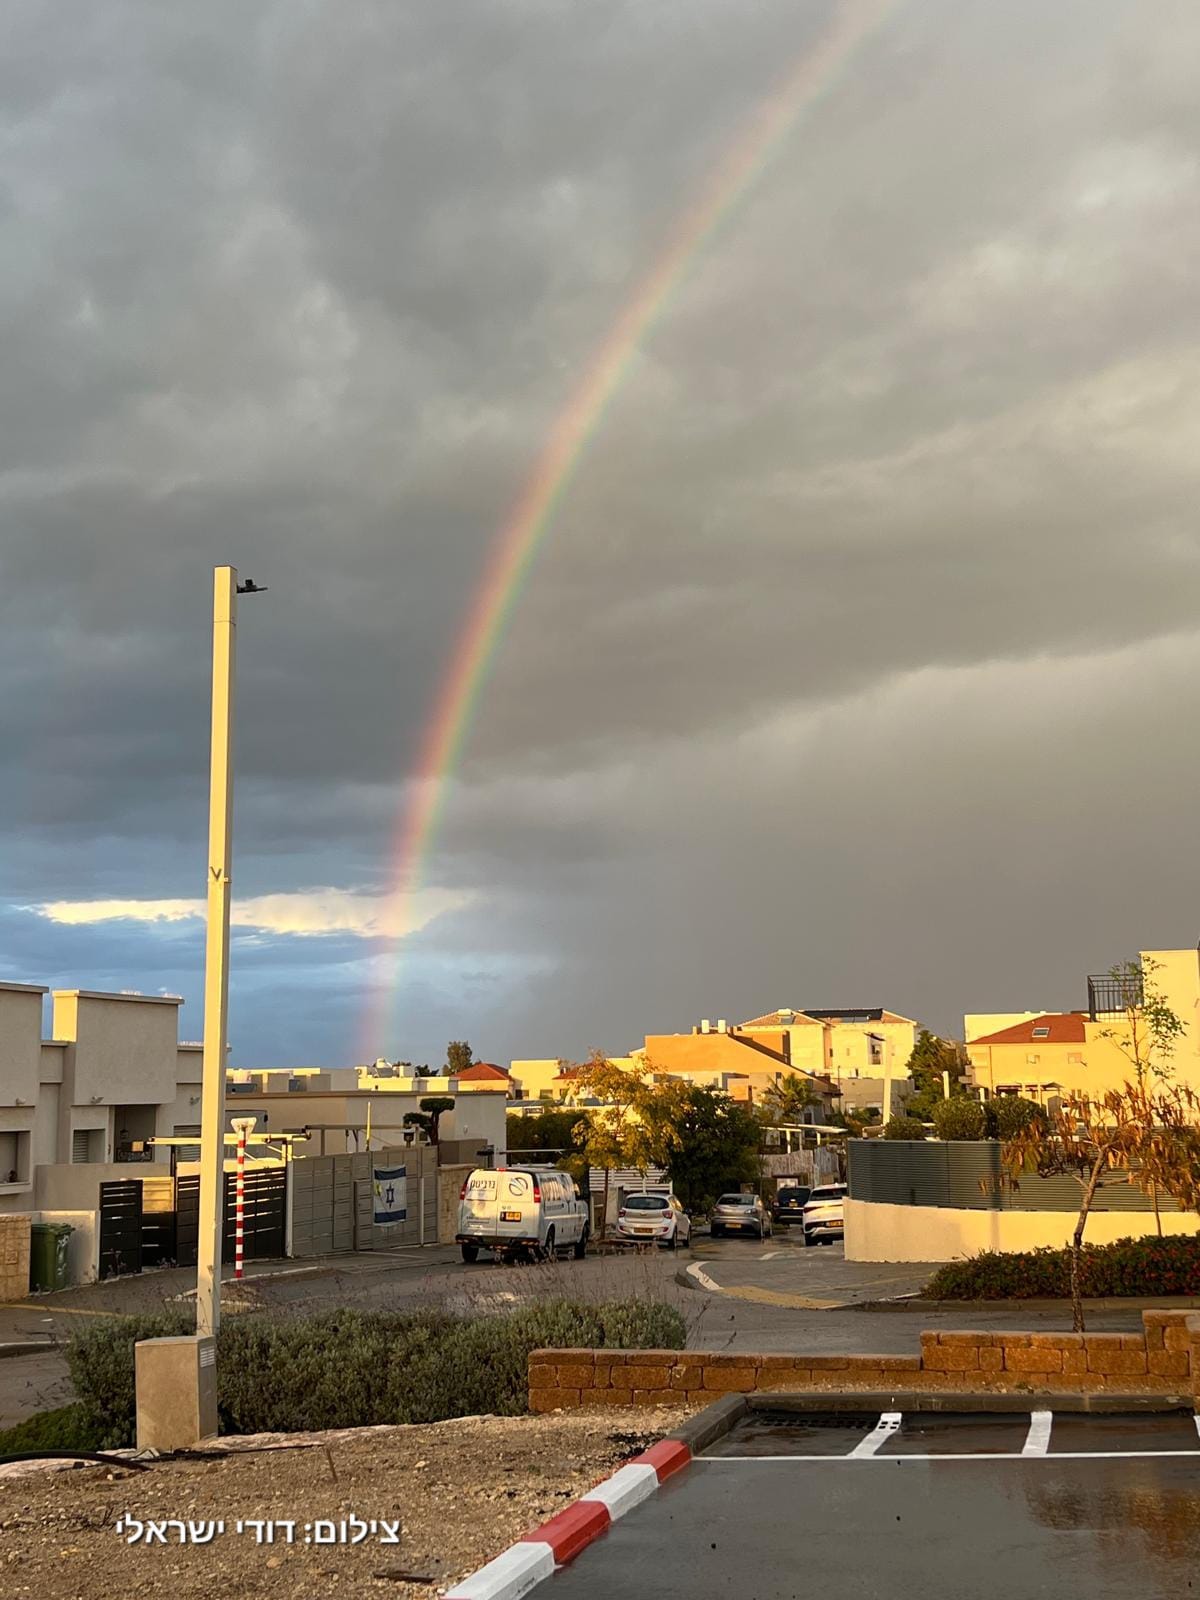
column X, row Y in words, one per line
column 944, row 1505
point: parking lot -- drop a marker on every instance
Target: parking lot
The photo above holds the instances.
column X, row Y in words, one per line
column 990, row 1505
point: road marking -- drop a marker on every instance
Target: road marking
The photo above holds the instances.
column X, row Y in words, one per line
column 1197, row 1419
column 1001, row 1455
column 1037, row 1440
column 771, row 1255
column 879, row 1434
column 696, row 1271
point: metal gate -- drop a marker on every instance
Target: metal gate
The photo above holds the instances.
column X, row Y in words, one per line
column 120, row 1227
column 264, row 1216
column 187, row 1220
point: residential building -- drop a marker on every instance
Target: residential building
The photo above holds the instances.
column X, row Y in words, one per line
column 1047, row 1055
column 112, row 1078
column 545, row 1078
column 858, row 1049
column 349, row 1109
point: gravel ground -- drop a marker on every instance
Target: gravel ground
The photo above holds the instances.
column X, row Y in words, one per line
column 462, row 1491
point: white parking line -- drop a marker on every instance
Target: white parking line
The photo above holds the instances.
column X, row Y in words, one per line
column 1037, row 1440
column 1001, row 1455
column 879, row 1434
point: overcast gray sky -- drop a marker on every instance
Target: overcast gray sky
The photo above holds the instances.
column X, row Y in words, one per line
column 860, row 664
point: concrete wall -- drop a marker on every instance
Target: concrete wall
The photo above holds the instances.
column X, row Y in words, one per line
column 1163, row 1359
column 20, row 1044
column 877, row 1232
column 126, row 1047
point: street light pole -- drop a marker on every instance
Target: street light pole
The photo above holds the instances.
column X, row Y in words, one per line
column 175, row 1378
column 226, row 589
column 216, row 954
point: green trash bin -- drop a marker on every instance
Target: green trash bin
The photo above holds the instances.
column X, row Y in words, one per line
column 48, row 1243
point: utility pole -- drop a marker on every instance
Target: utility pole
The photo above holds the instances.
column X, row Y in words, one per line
column 226, row 589
column 216, row 954
column 175, row 1378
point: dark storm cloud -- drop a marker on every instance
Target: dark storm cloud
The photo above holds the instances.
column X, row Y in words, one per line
column 909, row 459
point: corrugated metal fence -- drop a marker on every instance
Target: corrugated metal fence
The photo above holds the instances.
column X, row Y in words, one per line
column 970, row 1175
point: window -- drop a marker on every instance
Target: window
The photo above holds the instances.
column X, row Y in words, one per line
column 1033, row 1060
column 1041, row 1033
column 1075, row 1059
column 87, row 1145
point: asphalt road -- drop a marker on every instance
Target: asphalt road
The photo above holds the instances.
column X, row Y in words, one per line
column 1099, row 1507
column 783, row 1316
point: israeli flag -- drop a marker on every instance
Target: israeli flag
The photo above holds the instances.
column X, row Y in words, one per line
column 390, row 1187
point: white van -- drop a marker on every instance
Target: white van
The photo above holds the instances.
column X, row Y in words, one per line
column 521, row 1211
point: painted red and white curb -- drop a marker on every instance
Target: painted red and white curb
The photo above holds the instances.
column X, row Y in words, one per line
column 556, row 1542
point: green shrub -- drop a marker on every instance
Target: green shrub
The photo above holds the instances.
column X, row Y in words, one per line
column 100, row 1359
column 1130, row 1267
column 1010, row 1114
column 959, row 1118
column 67, row 1428
column 347, row 1369
column 903, row 1128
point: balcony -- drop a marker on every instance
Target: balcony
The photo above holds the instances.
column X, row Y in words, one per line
column 1110, row 996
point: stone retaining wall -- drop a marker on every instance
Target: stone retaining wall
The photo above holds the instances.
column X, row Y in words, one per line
column 14, row 1256
column 1163, row 1359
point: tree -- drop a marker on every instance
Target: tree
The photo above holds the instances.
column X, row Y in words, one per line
column 1147, row 1032
column 903, row 1128
column 788, row 1099
column 610, row 1139
column 1010, row 1114
column 931, row 1057
column 710, row 1142
column 959, row 1118
column 1129, row 1135
column 430, row 1115
column 458, row 1057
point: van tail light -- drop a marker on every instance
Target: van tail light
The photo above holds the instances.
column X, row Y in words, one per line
column 462, row 1193
column 537, row 1192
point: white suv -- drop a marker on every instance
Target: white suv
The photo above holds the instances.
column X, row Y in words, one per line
column 823, row 1218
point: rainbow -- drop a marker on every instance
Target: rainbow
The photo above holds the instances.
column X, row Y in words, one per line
column 519, row 540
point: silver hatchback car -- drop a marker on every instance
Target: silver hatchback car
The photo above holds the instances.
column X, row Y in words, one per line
column 740, row 1213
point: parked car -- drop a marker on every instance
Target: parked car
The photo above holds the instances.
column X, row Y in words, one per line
column 790, row 1201
column 657, row 1218
column 824, row 1219
column 521, row 1212
column 740, row 1213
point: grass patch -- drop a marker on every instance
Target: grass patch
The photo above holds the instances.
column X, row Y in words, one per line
column 66, row 1428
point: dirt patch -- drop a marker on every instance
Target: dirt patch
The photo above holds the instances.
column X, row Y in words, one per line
column 462, row 1491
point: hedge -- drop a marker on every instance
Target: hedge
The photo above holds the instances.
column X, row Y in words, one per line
column 1129, row 1267
column 349, row 1369
column 67, row 1428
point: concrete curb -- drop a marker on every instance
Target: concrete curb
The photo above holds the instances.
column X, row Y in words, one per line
column 540, row 1553
column 958, row 1400
column 25, row 1347
column 916, row 1302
